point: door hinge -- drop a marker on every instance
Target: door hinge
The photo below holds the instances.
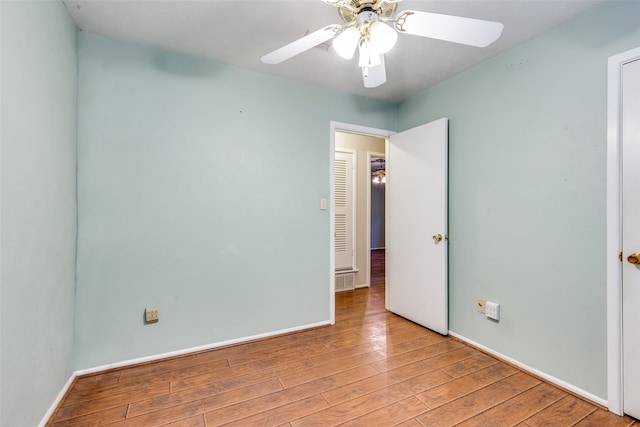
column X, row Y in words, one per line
column 620, row 256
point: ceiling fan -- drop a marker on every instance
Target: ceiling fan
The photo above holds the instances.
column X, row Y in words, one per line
column 372, row 27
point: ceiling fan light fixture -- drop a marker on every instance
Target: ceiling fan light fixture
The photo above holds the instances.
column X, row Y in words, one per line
column 373, row 26
column 346, row 43
column 382, row 37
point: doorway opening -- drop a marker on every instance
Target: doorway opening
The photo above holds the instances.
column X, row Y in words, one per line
column 416, row 285
column 360, row 140
column 376, row 223
column 359, row 206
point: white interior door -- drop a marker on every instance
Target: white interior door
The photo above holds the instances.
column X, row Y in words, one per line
column 416, row 255
column 631, row 237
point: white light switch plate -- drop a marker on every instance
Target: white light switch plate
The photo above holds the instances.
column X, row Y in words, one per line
column 323, row 203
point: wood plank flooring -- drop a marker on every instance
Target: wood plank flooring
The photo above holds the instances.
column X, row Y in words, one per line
column 371, row 369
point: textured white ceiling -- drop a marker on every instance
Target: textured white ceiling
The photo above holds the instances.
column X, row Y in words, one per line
column 238, row 32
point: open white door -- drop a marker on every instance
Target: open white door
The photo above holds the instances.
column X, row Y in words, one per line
column 631, row 237
column 416, row 264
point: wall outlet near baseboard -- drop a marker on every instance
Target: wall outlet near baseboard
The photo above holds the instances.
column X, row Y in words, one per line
column 151, row 315
column 492, row 310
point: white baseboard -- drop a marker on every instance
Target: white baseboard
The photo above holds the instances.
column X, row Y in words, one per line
column 125, row 363
column 57, row 401
column 205, row 347
column 560, row 383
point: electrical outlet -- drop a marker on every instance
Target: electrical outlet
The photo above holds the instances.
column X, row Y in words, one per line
column 151, row 314
column 492, row 310
column 480, row 306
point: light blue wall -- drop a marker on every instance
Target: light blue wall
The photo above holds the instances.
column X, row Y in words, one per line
column 527, row 193
column 199, row 187
column 38, row 198
column 199, row 191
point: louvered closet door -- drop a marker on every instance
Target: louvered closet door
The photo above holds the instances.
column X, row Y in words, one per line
column 344, row 206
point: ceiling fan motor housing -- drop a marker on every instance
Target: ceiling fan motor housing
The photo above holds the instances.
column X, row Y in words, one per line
column 367, row 15
column 352, row 10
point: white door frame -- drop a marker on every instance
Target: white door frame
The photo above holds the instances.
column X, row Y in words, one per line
column 370, row 155
column 614, row 230
column 350, row 128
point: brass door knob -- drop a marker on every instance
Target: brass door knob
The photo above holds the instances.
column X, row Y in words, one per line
column 437, row 238
column 634, row 259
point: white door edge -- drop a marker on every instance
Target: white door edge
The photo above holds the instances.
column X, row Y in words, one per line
column 352, row 128
column 614, row 229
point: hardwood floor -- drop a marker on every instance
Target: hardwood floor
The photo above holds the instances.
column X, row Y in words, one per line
column 371, row 369
column 377, row 267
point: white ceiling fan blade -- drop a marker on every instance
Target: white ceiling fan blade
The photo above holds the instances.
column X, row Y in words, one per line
column 374, row 76
column 458, row 29
column 301, row 45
